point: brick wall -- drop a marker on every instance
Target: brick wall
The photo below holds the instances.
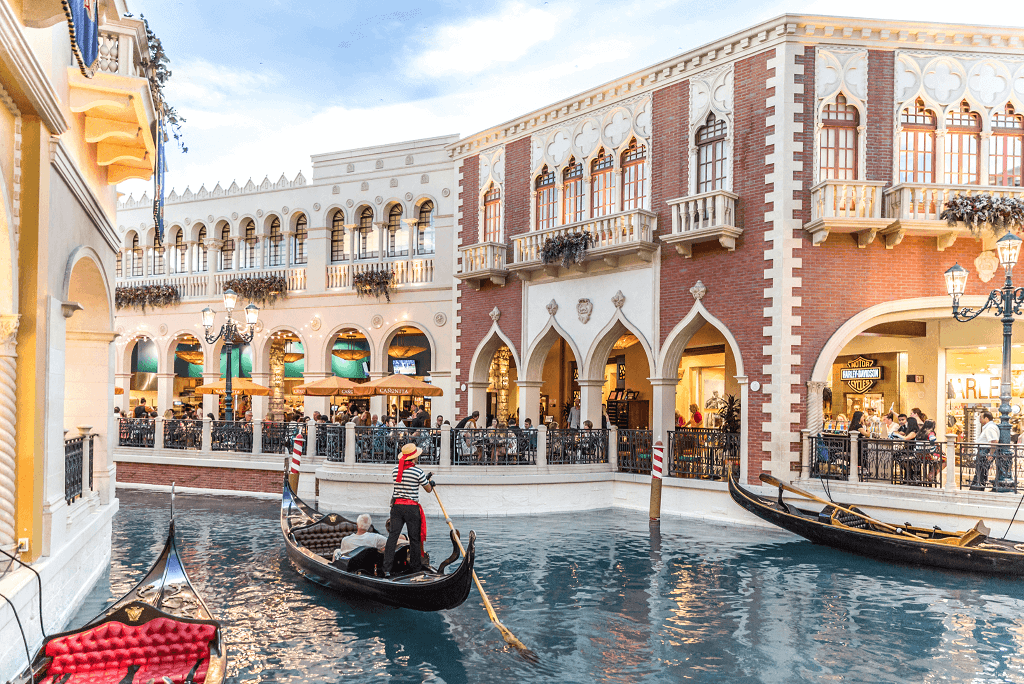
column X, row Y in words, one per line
column 669, row 150
column 881, row 101
column 235, row 479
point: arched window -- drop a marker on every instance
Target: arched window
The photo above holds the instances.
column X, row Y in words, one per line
column 338, row 237
column 180, row 252
column 917, row 144
column 158, row 253
column 276, row 241
column 1006, row 149
column 634, row 180
column 711, row 155
column 602, row 201
column 249, row 244
column 547, row 199
column 574, row 204
column 492, row 214
column 200, row 266
column 136, row 257
column 119, row 264
column 425, row 229
column 369, row 236
column 227, row 250
column 838, row 141
column 963, row 142
column 299, row 240
column 398, row 236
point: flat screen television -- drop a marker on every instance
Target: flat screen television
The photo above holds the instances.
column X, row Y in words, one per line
column 404, row 366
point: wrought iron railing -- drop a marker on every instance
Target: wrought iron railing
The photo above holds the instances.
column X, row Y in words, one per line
column 577, row 446
column 989, row 466
column 330, row 441
column 918, row 462
column 703, row 453
column 277, row 437
column 384, row 444
column 634, row 448
column 231, row 435
column 877, row 458
column 183, row 434
column 494, row 446
column 136, row 432
column 92, row 450
column 74, row 450
column 830, row 456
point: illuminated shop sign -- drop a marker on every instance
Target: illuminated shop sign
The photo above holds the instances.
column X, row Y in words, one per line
column 861, row 374
column 981, row 386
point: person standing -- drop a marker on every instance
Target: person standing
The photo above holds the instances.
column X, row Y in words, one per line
column 574, row 416
column 988, row 442
column 406, row 510
column 140, row 409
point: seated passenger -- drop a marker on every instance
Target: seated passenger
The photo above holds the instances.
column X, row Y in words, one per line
column 363, row 537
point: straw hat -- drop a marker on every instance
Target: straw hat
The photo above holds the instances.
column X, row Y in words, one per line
column 410, row 452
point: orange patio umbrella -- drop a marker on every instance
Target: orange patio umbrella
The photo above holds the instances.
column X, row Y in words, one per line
column 327, row 387
column 238, row 386
column 398, row 386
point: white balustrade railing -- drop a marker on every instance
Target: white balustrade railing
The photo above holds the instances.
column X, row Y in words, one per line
column 706, row 210
column 188, row 285
column 119, row 51
column 925, row 202
column 339, row 276
column 412, row 271
column 622, row 229
column 485, row 256
column 849, row 199
column 295, row 277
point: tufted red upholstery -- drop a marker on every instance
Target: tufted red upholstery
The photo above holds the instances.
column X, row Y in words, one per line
column 160, row 647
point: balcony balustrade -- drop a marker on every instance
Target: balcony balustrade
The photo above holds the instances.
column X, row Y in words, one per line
column 707, row 217
column 482, row 262
column 845, row 206
column 619, row 235
column 914, row 209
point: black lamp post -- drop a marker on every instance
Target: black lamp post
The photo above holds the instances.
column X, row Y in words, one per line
column 231, row 330
column 1006, row 302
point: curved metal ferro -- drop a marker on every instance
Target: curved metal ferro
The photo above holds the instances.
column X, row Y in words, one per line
column 1018, row 301
column 967, row 314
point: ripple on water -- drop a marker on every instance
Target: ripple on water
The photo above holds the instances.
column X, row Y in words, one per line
column 597, row 596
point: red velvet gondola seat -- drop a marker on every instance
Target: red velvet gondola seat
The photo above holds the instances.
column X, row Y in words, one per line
column 160, row 648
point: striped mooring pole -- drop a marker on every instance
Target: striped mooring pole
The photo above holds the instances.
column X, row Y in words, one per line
column 657, row 459
column 293, row 470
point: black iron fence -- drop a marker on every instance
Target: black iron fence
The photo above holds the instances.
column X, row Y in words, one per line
column 494, row 446
column 277, row 437
column 634, row 448
column 74, row 451
column 384, row 444
column 330, row 441
column 703, row 453
column 183, row 434
column 995, row 467
column 895, row 461
column 231, row 435
column 577, row 446
column 136, row 432
column 830, row 456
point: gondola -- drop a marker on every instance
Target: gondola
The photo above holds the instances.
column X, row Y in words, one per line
column 159, row 631
column 970, row 551
column 312, row 537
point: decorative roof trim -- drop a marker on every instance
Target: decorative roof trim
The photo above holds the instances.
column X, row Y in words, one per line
column 28, row 73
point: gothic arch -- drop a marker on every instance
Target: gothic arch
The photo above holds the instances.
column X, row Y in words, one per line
column 606, row 339
column 675, row 342
column 493, row 340
column 538, row 352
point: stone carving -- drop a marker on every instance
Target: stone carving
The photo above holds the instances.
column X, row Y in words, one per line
column 379, row 164
column 619, row 299
column 586, row 137
column 284, row 210
column 336, row 190
column 552, row 307
column 492, row 167
column 989, row 81
column 945, row 79
column 259, row 325
column 617, row 125
column 8, row 334
column 8, row 411
column 644, row 120
column 394, row 182
column 349, row 203
column 378, row 199
column 349, row 169
column 259, row 212
column 162, row 329
column 120, row 229
column 210, row 218
column 408, row 160
column 377, row 321
column 445, row 192
column 234, row 216
column 316, row 206
column 408, row 197
column 424, row 179
column 188, row 220
column 711, row 93
column 986, row 263
column 698, row 291
column 558, row 147
column 495, row 314
column 841, row 70
column 364, row 186
column 584, row 308
column 440, row 319
column 315, row 323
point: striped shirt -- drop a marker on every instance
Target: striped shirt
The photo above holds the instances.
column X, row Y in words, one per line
column 412, row 479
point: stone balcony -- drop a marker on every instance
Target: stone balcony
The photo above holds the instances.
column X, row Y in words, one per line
column 914, row 209
column 852, row 207
column 482, row 262
column 625, row 235
column 707, row 217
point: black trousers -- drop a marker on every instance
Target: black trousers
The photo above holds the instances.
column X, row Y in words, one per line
column 404, row 514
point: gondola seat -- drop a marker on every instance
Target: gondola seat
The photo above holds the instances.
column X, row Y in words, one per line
column 364, row 559
column 322, row 537
column 159, row 648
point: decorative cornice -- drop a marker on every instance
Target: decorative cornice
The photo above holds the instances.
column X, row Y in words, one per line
column 61, row 161
column 28, row 73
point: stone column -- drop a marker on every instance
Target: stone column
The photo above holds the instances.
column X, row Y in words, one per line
column 260, row 404
column 8, row 410
column 663, row 407
column 590, row 401
column 276, row 407
column 613, row 447
column 446, row 446
column 213, row 248
column 210, row 401
column 477, row 401
column 951, row 482
column 854, row 475
column 164, row 391
column 815, row 408
column 350, row 444
column 124, row 381
column 529, row 400
column 257, row 435
column 190, row 251
column 377, row 404
column 445, row 404
column 542, row 446
column 318, row 256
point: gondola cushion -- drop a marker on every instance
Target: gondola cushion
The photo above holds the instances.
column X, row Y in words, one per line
column 161, row 648
column 323, row 538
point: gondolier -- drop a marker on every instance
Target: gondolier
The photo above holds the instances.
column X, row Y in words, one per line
column 406, row 510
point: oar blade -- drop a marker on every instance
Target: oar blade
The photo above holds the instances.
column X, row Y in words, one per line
column 521, row 648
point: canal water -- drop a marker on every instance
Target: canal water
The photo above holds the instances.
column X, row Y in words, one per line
column 596, row 595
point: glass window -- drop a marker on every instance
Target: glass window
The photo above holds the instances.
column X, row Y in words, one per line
column 227, row 250
column 634, row 182
column 547, row 201
column 917, row 144
column 200, row 265
column 838, row 141
column 492, row 214
column 369, row 236
column 1006, row 148
column 602, row 201
column 180, row 251
column 276, row 241
column 963, row 141
column 158, row 254
column 136, row 257
column 299, row 240
column 338, row 237
column 711, row 155
column 119, row 264
column 425, row 229
column 250, row 242
column 398, row 236
column 574, row 205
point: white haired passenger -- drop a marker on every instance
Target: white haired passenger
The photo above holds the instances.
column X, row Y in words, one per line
column 362, row 537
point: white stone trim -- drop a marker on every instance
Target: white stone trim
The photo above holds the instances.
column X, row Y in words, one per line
column 67, row 169
column 28, row 73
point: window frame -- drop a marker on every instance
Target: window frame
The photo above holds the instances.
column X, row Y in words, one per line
column 492, row 214
column 918, row 131
column 137, row 255
column 275, row 239
column 227, row 249
column 338, row 237
column 366, row 229
column 839, row 136
column 1003, row 137
column 712, row 154
column 602, row 184
column 574, row 200
column 633, row 162
column 251, row 242
column 395, row 229
column 299, row 256
column 546, row 195
column 962, row 145
column 425, row 227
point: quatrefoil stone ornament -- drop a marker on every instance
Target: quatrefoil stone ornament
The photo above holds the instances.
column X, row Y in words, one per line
column 617, row 129
column 943, row 81
column 558, row 147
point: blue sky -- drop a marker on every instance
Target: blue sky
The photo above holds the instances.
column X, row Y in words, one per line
column 263, row 84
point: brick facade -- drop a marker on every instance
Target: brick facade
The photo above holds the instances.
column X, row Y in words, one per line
column 200, row 477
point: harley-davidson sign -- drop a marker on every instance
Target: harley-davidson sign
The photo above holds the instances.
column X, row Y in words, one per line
column 861, row 374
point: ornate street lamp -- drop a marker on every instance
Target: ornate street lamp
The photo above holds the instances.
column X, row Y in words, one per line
column 231, row 330
column 1006, row 302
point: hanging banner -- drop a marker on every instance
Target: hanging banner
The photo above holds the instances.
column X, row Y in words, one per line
column 83, row 25
column 158, row 182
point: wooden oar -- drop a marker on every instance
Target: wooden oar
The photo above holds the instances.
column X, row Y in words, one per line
column 775, row 482
column 509, row 637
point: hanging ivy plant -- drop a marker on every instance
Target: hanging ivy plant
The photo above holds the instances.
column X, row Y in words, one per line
column 142, row 296
column 374, row 283
column 261, row 289
column 978, row 210
column 566, row 249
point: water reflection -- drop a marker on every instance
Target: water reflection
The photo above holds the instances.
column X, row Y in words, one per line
column 617, row 601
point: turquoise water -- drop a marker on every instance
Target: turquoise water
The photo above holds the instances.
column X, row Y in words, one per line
column 596, row 595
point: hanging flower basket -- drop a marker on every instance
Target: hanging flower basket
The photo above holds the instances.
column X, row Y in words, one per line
column 978, row 210
column 566, row 249
column 374, row 283
column 141, row 296
column 262, row 289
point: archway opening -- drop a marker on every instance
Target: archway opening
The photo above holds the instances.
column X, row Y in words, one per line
column 287, row 360
column 627, row 387
column 706, row 379
column 144, row 367
column 350, row 357
column 187, row 360
column 408, row 354
column 502, row 388
column 560, row 390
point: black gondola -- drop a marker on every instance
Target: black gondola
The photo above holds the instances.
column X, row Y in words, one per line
column 160, row 629
column 970, row 551
column 312, row 537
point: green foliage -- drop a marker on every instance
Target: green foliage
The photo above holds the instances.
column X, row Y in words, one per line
column 261, row 289
column 977, row 210
column 141, row 296
column 566, row 249
column 730, row 414
column 158, row 74
column 375, row 283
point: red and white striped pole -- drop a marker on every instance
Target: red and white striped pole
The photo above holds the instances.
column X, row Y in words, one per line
column 293, row 471
column 657, row 461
